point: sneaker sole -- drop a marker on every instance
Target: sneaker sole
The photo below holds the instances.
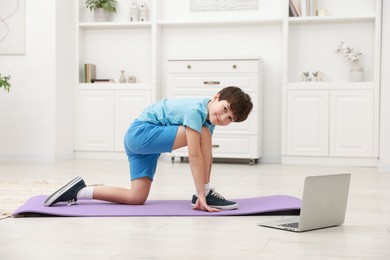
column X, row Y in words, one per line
column 50, row 200
column 234, row 206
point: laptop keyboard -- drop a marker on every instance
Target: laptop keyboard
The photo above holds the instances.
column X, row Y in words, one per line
column 290, row 225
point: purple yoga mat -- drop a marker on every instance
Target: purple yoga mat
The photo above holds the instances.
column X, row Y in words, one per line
column 96, row 208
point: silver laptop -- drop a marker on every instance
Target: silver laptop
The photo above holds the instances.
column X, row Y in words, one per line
column 324, row 203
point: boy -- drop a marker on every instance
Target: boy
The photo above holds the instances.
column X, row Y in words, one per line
column 164, row 126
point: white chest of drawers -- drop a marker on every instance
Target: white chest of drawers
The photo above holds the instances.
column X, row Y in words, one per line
column 204, row 78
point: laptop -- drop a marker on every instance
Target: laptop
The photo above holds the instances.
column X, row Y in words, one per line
column 324, row 203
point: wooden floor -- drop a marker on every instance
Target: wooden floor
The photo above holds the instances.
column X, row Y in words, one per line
column 364, row 235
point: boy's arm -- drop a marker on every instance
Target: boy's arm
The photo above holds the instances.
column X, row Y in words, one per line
column 197, row 168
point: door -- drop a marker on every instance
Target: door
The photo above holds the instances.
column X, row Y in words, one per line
column 94, row 120
column 128, row 105
column 351, row 123
column 307, row 122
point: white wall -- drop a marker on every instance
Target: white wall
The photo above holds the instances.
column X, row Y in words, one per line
column 65, row 79
column 384, row 147
column 28, row 112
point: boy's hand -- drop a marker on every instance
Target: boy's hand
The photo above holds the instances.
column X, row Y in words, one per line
column 201, row 204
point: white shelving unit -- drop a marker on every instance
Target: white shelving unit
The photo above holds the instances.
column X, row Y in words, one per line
column 302, row 44
column 335, row 121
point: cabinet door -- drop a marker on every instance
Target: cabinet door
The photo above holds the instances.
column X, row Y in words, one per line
column 307, row 122
column 128, row 105
column 94, row 120
column 351, row 123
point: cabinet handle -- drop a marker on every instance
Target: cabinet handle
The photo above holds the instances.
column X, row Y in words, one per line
column 211, row 82
column 234, row 66
column 215, row 146
column 188, row 66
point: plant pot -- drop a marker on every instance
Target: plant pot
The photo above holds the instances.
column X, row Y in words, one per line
column 102, row 15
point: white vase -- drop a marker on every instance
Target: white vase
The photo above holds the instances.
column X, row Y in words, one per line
column 357, row 72
column 122, row 78
column 102, row 15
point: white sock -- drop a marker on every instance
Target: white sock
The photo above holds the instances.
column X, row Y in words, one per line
column 85, row 193
column 206, row 189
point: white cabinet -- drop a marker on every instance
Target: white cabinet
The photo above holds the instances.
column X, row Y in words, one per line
column 103, row 116
column 204, row 78
column 333, row 121
column 332, row 124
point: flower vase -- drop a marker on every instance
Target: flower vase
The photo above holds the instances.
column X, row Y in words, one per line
column 356, row 73
column 122, row 78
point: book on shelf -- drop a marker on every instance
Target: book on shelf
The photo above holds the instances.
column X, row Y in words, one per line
column 294, row 8
column 309, row 7
column 102, row 81
column 298, row 8
column 89, row 72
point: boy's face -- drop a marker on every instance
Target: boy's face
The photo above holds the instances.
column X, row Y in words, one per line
column 219, row 112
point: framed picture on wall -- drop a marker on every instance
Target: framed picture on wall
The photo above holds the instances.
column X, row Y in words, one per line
column 12, row 27
column 221, row 5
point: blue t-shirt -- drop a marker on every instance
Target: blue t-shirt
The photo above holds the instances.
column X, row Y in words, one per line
column 191, row 112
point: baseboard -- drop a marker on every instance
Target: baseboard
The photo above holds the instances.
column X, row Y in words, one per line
column 333, row 161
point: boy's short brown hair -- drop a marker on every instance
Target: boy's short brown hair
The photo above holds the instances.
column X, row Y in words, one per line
column 240, row 102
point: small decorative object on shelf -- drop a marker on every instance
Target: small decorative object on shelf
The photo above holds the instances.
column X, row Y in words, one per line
column 132, row 79
column 103, row 9
column 322, row 12
column 134, row 12
column 305, row 76
column 318, row 75
column 122, row 78
column 143, row 12
column 353, row 56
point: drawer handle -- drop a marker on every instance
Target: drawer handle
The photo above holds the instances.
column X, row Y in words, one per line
column 215, row 145
column 211, row 82
column 234, row 66
column 188, row 66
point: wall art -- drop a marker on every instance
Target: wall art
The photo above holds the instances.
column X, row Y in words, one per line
column 12, row 27
column 222, row 5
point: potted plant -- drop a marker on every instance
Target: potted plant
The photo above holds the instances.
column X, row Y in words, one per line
column 4, row 82
column 103, row 9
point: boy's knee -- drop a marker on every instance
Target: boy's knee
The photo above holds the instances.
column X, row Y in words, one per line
column 138, row 200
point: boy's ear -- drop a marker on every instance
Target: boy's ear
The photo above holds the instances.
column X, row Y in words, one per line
column 216, row 96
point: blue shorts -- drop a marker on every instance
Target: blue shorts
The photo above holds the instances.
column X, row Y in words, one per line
column 144, row 142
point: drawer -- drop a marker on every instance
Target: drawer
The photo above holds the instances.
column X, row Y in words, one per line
column 210, row 94
column 212, row 66
column 249, row 126
column 214, row 83
column 230, row 146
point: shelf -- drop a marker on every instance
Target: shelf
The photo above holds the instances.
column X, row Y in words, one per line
column 254, row 21
column 115, row 25
column 329, row 85
column 114, row 86
column 330, row 19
